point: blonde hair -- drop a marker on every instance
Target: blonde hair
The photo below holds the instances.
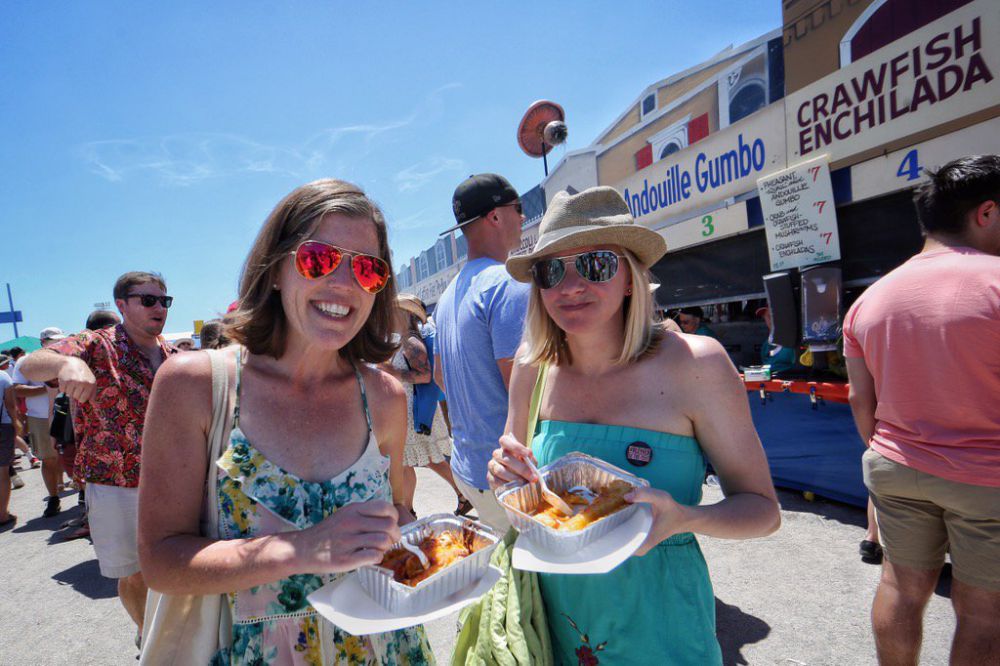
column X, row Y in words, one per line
column 546, row 342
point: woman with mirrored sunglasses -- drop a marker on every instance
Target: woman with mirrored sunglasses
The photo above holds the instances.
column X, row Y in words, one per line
column 609, row 380
column 304, row 457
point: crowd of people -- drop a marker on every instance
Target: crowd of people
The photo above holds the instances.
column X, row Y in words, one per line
column 223, row 486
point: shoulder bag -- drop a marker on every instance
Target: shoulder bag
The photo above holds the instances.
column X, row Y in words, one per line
column 189, row 629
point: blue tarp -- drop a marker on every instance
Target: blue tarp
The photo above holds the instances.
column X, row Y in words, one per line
column 811, row 449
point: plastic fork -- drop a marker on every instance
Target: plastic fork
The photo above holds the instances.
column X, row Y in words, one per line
column 584, row 492
column 558, row 502
column 424, row 562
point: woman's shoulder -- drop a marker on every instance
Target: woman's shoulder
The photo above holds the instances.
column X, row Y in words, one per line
column 386, row 402
column 186, row 367
column 525, row 372
column 380, row 386
column 184, row 381
column 685, row 351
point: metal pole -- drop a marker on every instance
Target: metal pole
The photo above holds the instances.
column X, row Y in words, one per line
column 10, row 299
column 545, row 159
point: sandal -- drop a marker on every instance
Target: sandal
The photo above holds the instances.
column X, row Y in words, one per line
column 870, row 552
column 82, row 533
column 74, row 522
column 464, row 507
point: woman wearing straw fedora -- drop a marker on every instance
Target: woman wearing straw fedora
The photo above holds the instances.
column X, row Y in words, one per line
column 612, row 382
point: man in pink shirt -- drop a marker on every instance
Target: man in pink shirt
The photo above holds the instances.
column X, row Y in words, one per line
column 923, row 355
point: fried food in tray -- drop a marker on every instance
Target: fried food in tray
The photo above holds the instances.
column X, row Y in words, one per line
column 442, row 550
column 609, row 499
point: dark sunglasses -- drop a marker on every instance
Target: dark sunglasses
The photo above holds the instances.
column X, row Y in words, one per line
column 316, row 259
column 593, row 266
column 517, row 207
column 149, row 300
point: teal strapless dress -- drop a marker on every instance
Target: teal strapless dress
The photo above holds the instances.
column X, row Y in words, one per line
column 657, row 609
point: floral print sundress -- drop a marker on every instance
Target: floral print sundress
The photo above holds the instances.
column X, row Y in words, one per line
column 274, row 623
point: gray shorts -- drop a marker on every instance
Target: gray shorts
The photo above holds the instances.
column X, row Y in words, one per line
column 6, row 444
column 113, row 514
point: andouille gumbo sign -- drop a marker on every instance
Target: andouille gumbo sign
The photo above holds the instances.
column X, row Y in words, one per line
column 723, row 165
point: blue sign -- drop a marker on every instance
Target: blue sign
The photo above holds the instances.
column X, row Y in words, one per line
column 710, row 172
column 10, row 317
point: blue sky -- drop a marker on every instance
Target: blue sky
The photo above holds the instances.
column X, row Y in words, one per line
column 157, row 136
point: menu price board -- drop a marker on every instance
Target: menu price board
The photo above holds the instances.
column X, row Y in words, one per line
column 800, row 219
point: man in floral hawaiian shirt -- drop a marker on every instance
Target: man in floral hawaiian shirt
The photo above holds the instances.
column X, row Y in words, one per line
column 109, row 373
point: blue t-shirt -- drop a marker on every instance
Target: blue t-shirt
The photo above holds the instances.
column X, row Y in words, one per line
column 479, row 320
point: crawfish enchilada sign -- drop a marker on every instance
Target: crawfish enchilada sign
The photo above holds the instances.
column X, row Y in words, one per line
column 944, row 71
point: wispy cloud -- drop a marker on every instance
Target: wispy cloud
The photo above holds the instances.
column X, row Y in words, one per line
column 417, row 175
column 186, row 158
column 414, row 221
column 182, row 159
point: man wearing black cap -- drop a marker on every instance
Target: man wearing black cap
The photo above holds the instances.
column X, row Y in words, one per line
column 479, row 321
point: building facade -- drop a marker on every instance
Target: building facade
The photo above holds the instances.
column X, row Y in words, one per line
column 875, row 90
column 871, row 91
column 880, row 89
column 427, row 274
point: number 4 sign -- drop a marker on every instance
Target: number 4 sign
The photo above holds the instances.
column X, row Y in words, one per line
column 800, row 219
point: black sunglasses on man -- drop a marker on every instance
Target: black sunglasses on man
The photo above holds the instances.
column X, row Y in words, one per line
column 149, row 300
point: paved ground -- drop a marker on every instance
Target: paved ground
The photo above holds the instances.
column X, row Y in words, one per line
column 798, row 597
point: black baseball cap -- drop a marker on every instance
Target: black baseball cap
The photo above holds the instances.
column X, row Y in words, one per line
column 479, row 194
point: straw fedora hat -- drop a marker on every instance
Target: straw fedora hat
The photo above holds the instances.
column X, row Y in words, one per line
column 412, row 304
column 596, row 216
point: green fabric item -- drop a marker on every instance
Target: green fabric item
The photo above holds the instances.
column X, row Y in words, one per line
column 507, row 627
column 25, row 342
column 514, row 630
column 537, row 628
column 705, row 329
column 780, row 361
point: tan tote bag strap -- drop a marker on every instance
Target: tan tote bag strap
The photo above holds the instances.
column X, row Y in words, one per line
column 218, row 435
column 189, row 629
column 535, row 406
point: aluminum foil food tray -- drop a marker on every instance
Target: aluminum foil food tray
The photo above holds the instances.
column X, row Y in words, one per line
column 519, row 500
column 400, row 598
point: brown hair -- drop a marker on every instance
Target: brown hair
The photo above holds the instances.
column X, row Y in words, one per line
column 124, row 284
column 212, row 336
column 259, row 321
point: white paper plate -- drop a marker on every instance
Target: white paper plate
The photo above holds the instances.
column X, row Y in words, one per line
column 599, row 557
column 347, row 605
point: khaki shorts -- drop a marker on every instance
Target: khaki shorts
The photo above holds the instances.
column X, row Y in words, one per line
column 921, row 517
column 114, row 521
column 41, row 440
column 486, row 505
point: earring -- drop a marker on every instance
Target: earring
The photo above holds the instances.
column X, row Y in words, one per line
column 628, row 292
column 276, row 287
